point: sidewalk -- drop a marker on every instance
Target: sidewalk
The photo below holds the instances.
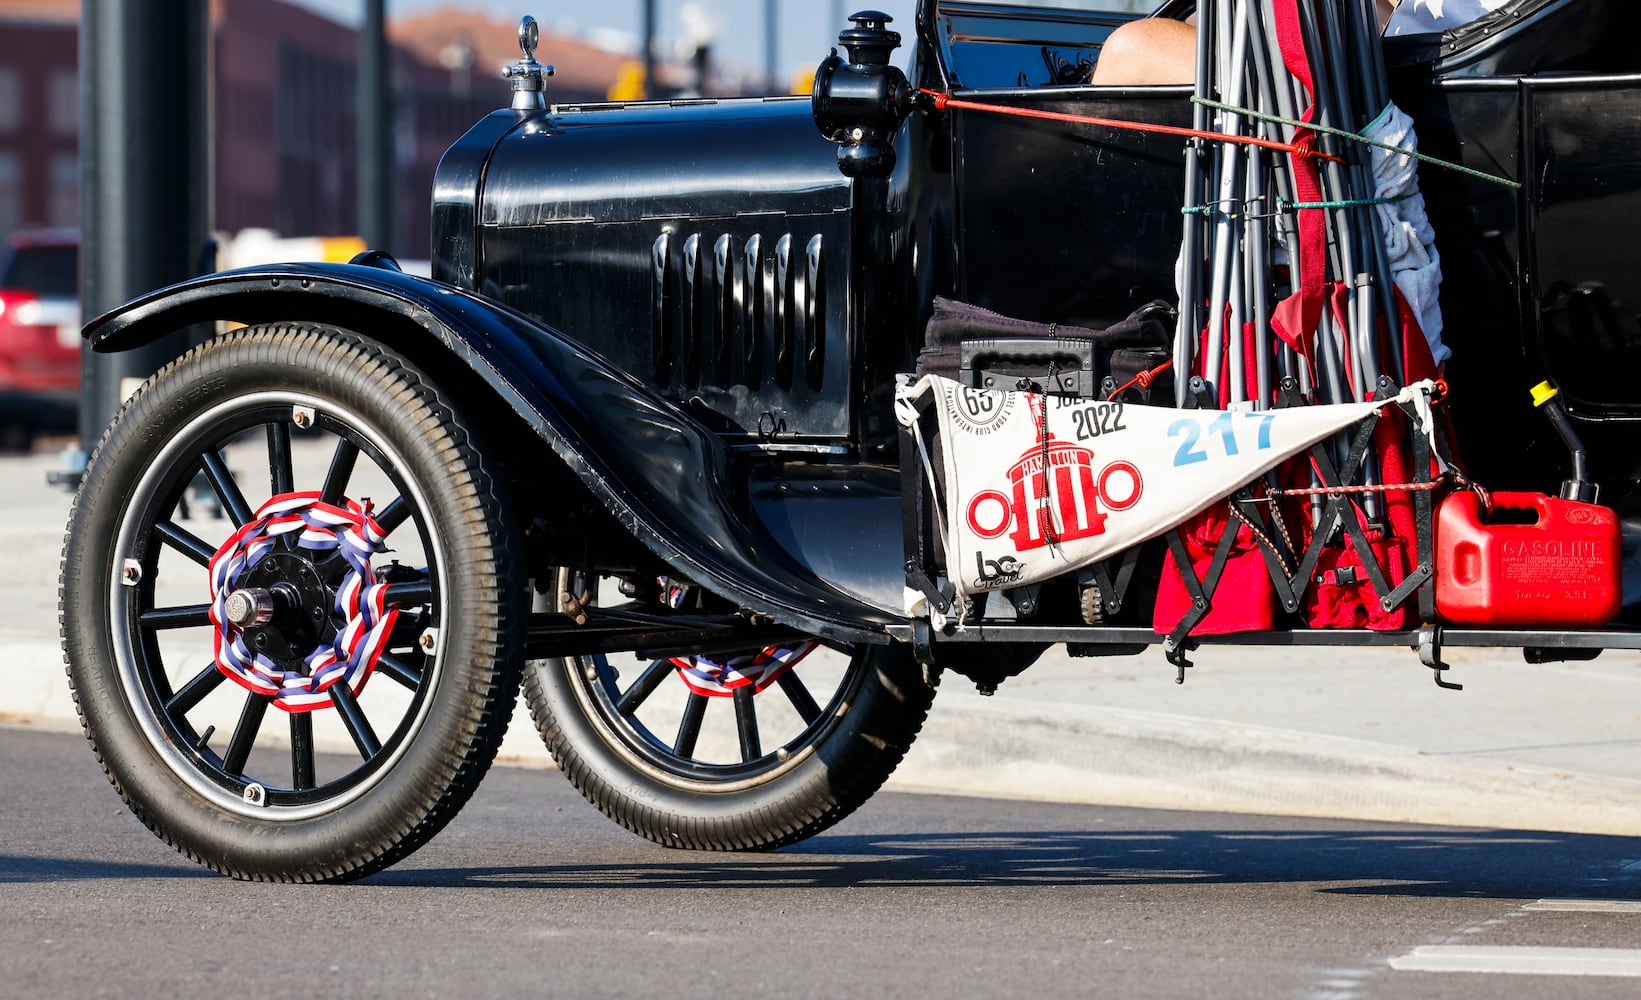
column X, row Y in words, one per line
column 1361, row 734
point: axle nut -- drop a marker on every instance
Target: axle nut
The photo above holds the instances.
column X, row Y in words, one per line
column 249, row 606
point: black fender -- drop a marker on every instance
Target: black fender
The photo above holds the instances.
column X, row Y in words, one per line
column 659, row 471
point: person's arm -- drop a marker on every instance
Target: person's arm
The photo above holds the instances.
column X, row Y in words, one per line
column 1385, row 7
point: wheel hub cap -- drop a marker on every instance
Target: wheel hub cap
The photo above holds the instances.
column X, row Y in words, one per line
column 274, row 619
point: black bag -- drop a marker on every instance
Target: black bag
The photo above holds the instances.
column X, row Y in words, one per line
column 988, row 350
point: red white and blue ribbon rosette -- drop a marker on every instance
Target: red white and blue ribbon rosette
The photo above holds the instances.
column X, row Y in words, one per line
column 759, row 669
column 351, row 656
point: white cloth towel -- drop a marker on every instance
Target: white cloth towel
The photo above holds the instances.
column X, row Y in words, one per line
column 1410, row 242
column 1418, row 17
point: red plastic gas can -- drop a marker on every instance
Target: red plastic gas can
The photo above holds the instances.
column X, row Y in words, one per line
column 1533, row 560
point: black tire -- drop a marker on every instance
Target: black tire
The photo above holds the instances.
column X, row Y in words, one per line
column 186, row 747
column 827, row 759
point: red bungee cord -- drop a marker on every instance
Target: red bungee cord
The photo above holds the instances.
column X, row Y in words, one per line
column 944, row 101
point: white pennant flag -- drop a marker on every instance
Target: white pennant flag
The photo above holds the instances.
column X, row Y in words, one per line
column 1023, row 505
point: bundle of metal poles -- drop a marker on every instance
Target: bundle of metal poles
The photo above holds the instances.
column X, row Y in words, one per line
column 1241, row 256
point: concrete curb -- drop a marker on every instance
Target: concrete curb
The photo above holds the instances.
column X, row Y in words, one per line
column 1110, row 756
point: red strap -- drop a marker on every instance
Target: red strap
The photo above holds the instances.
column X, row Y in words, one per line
column 1338, row 306
column 1417, row 362
column 944, row 101
column 1296, row 317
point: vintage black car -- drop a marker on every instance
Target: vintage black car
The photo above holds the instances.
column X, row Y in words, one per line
column 637, row 440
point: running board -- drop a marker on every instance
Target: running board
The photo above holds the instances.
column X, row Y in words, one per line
column 1098, row 635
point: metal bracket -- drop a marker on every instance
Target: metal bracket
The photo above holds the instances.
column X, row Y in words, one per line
column 1178, row 642
column 1424, row 522
column 1113, row 590
column 923, row 644
column 1199, row 395
column 915, row 501
column 1340, row 513
column 1026, row 601
column 1430, row 654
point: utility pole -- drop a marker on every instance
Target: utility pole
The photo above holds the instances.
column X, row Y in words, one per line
column 650, row 91
column 145, row 193
column 373, row 125
column 772, row 48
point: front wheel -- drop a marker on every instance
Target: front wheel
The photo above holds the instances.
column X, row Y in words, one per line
column 288, row 606
column 740, row 751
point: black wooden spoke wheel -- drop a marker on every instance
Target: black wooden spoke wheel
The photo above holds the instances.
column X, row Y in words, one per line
column 746, row 762
column 368, row 739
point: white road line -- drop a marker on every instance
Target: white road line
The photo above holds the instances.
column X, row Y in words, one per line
column 1522, row 961
column 1586, row 905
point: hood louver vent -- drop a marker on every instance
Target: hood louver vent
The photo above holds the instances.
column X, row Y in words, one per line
column 743, row 312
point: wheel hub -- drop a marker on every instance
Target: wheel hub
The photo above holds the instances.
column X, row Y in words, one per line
column 287, row 625
column 283, row 608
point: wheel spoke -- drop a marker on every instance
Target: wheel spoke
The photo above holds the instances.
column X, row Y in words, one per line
column 393, row 515
column 746, row 723
column 195, row 690
column 280, row 475
column 186, row 542
column 187, row 616
column 645, row 686
column 341, row 470
column 244, row 738
column 302, row 774
column 799, row 696
column 227, row 490
column 354, row 721
column 689, row 727
column 399, row 670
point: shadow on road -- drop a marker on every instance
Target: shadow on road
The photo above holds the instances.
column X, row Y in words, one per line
column 1497, row 864
column 15, row 870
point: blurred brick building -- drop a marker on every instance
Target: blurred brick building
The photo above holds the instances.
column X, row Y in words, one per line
column 283, row 112
column 39, row 115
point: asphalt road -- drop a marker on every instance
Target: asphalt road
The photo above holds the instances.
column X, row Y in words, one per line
column 533, row 893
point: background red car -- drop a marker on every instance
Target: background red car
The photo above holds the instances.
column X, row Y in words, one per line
column 39, row 336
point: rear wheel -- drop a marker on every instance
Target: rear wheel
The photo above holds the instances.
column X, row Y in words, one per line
column 288, row 606
column 741, row 751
